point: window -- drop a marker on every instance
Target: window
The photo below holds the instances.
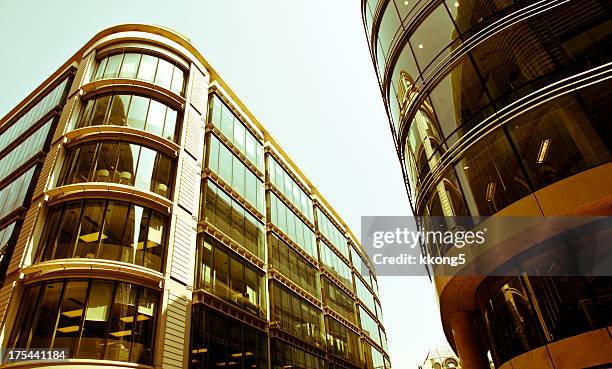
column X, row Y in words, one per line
column 432, row 36
column 104, row 229
column 233, row 172
column 341, row 341
column 94, row 319
column 122, row 163
column 133, row 111
column 332, row 233
column 300, row 233
column 334, row 264
column 296, row 316
column 338, row 300
column 220, row 341
column 229, row 277
column 27, row 149
column 288, row 187
column 13, row 195
column 285, row 355
column 32, row 116
column 369, row 325
column 234, row 130
column 292, row 265
column 221, row 211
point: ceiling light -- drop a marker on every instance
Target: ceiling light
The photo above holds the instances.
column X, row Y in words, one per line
column 490, row 191
column 466, row 167
column 73, row 313
column 456, row 4
column 405, row 2
column 72, row 328
column 420, row 46
column 544, row 150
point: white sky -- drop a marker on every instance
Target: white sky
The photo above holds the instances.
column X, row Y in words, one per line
column 302, row 67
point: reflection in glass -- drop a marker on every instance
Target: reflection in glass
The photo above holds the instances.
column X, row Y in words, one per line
column 111, row 230
column 122, row 163
column 132, row 111
column 94, row 319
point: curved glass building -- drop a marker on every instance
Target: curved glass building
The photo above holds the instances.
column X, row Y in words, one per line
column 148, row 219
column 503, row 107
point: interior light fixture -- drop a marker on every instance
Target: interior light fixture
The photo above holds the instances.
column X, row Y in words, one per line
column 490, row 191
column 544, row 150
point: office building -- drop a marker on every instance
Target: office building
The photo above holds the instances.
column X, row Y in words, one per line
column 504, row 108
column 148, row 219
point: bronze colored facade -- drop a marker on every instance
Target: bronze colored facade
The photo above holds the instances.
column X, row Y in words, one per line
column 149, row 220
column 503, row 108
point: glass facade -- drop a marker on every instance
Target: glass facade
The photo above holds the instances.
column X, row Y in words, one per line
column 519, row 314
column 14, row 194
column 105, row 229
column 93, row 318
column 293, row 265
column 286, row 220
column 134, row 111
column 233, row 172
column 338, row 300
column 228, row 277
column 119, row 162
column 489, row 103
column 285, row 355
column 290, row 189
column 335, row 265
column 332, row 233
column 144, row 67
column 228, row 216
column 32, row 116
column 220, row 341
column 224, row 119
column 20, row 155
column 342, row 341
column 295, row 315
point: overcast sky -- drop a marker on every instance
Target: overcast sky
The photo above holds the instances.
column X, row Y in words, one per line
column 302, row 67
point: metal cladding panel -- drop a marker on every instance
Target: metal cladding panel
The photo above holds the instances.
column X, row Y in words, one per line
column 194, row 135
column 182, row 252
column 46, row 171
column 5, row 297
column 199, row 91
column 174, row 337
column 189, row 184
column 23, row 239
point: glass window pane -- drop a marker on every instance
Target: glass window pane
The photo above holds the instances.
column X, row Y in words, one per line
column 389, row 26
column 490, row 175
column 83, row 171
column 146, row 70
column 155, row 241
column 89, row 233
column 100, row 70
column 126, row 164
column 130, row 65
column 99, row 111
column 121, row 323
column 112, row 67
column 146, row 164
column 68, row 329
column 156, row 117
column 163, row 176
column 138, row 112
column 43, row 329
column 178, row 81
column 106, row 163
column 113, row 231
column 144, row 328
column 68, row 231
column 119, row 109
column 163, row 77
column 432, row 36
column 170, row 125
column 96, row 320
column 135, row 234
